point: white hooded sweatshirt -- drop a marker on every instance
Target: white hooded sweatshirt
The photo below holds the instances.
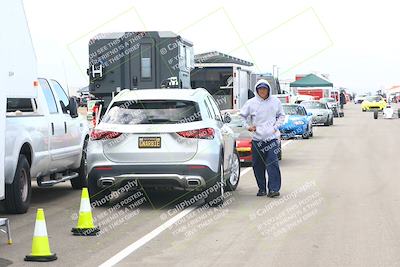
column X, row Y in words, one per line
column 266, row 114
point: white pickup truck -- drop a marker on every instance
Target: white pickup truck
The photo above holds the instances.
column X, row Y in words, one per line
column 45, row 139
column 41, row 134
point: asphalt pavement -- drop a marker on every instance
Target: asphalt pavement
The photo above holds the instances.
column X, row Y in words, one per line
column 339, row 206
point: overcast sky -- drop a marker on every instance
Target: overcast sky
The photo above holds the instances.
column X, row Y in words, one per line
column 356, row 42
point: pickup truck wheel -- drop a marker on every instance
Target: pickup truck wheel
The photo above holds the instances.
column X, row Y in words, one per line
column 81, row 181
column 18, row 194
column 216, row 191
column 233, row 181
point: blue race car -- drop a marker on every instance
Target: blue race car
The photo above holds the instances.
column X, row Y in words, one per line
column 297, row 122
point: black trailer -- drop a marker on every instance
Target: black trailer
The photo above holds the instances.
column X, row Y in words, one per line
column 138, row 60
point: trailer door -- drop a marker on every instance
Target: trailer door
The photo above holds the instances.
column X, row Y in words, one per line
column 143, row 74
column 218, row 81
column 244, row 86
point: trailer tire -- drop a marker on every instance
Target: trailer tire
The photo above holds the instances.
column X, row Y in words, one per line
column 81, row 181
column 375, row 114
column 18, row 193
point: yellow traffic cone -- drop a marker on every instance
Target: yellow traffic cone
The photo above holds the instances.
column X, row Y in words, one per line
column 40, row 242
column 85, row 224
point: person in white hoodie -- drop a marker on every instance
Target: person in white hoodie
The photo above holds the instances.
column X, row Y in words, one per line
column 263, row 115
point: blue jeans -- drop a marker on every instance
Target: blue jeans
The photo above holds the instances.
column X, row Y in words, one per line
column 265, row 158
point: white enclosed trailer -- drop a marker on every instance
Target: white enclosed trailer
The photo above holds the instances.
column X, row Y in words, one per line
column 18, row 73
column 228, row 79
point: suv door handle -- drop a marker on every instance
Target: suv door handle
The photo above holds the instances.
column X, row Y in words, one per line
column 65, row 127
column 52, row 128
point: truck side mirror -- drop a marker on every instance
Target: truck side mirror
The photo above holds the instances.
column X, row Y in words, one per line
column 227, row 118
column 73, row 107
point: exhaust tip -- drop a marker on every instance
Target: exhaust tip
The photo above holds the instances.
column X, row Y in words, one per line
column 106, row 182
column 193, row 182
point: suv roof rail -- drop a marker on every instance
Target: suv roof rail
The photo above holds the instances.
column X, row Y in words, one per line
column 199, row 89
column 122, row 92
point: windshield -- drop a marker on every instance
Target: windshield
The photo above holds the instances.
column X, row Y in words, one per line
column 313, row 105
column 327, row 100
column 374, row 98
column 293, row 110
column 152, row 112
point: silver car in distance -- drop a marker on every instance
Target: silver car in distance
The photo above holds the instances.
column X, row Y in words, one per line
column 321, row 113
column 163, row 139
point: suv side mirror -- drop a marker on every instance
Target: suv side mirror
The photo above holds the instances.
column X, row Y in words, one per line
column 227, row 118
column 73, row 107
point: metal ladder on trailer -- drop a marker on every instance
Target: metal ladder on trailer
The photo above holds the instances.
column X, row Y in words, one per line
column 5, row 223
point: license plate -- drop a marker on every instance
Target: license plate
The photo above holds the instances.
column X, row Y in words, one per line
column 149, row 142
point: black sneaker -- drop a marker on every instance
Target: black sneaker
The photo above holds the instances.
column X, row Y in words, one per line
column 261, row 193
column 273, row 194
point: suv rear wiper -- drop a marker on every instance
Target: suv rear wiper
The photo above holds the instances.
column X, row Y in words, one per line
column 161, row 120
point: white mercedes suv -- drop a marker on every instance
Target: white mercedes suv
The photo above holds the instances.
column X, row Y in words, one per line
column 163, row 138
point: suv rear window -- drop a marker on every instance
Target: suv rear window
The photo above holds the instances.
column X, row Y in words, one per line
column 153, row 112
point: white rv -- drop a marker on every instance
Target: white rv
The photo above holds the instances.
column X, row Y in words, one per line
column 18, row 67
column 41, row 134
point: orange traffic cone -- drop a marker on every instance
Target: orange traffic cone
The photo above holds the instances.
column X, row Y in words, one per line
column 40, row 242
column 85, row 224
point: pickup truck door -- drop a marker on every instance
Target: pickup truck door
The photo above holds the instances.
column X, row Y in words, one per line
column 72, row 129
column 56, row 127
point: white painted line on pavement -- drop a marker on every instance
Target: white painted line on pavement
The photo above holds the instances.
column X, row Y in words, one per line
column 142, row 241
column 245, row 171
column 286, row 143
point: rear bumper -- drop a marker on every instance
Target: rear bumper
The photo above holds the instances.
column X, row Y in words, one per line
column 190, row 177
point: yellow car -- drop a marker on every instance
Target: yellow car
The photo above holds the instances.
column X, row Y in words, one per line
column 373, row 103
